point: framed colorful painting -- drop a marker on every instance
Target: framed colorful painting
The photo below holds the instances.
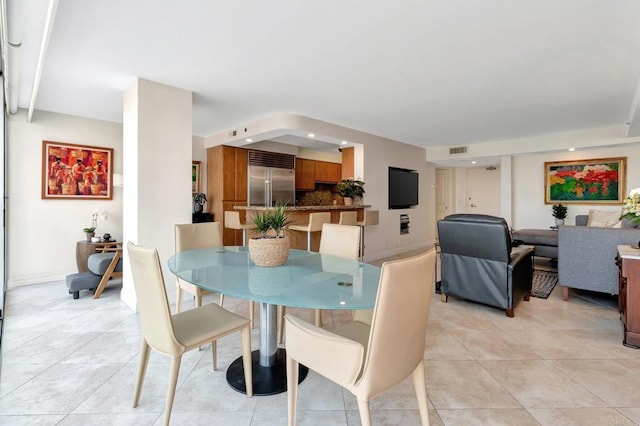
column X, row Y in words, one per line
column 597, row 181
column 72, row 171
column 195, row 177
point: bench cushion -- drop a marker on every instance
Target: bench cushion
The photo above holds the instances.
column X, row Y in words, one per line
column 82, row 281
column 99, row 262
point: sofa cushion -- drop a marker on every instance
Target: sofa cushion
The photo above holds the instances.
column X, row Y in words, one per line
column 604, row 219
column 544, row 237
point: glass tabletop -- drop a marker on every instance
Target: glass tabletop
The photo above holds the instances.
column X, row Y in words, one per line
column 308, row 279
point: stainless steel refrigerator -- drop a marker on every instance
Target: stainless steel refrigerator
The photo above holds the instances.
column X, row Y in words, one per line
column 271, row 185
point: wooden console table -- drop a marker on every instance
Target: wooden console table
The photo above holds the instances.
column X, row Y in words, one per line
column 84, row 249
column 628, row 261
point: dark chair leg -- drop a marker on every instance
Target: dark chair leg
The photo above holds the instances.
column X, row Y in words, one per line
column 76, row 295
column 509, row 312
column 527, row 296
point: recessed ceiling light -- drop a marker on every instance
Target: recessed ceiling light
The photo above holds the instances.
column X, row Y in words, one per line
column 311, row 135
column 473, row 162
column 343, row 142
column 572, row 149
column 249, row 140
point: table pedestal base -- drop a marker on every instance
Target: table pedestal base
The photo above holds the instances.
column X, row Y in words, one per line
column 266, row 380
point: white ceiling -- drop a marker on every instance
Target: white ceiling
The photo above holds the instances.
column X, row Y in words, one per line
column 428, row 73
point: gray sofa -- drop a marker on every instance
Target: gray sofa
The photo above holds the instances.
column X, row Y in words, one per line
column 586, row 256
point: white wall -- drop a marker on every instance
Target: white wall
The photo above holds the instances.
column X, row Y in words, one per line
column 158, row 134
column 384, row 240
column 42, row 234
column 529, row 210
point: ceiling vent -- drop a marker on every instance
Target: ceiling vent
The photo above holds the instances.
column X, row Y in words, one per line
column 458, row 150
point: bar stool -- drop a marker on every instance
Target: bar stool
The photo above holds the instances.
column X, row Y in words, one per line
column 371, row 217
column 232, row 221
column 348, row 218
column 316, row 220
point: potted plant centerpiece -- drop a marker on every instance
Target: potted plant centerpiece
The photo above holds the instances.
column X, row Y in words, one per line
column 559, row 212
column 198, row 201
column 349, row 189
column 271, row 248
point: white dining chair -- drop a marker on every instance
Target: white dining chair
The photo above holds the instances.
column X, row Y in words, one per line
column 369, row 359
column 173, row 335
column 336, row 240
column 191, row 236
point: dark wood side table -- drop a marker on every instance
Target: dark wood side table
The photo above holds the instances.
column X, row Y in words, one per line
column 84, row 249
column 628, row 261
column 201, row 217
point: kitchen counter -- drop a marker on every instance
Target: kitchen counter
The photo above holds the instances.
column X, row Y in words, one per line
column 299, row 215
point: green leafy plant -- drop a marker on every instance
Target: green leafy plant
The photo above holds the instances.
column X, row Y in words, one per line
column 89, row 230
column 559, row 211
column 275, row 219
column 351, row 188
column 261, row 223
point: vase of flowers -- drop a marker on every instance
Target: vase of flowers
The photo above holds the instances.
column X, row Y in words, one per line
column 349, row 189
column 90, row 231
column 271, row 248
column 631, row 207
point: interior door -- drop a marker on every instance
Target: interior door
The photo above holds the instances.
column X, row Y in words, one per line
column 482, row 190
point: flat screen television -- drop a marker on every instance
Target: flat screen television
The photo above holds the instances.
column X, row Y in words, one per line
column 403, row 188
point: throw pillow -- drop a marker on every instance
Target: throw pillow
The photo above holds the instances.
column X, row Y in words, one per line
column 604, row 219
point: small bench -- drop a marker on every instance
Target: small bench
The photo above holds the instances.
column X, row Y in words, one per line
column 102, row 267
column 82, row 281
column 545, row 241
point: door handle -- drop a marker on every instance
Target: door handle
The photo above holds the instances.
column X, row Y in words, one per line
column 473, row 205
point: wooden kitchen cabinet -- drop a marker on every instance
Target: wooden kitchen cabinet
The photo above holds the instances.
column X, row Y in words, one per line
column 305, row 174
column 628, row 261
column 227, row 185
column 328, row 172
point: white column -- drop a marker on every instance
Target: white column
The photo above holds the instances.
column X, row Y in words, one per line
column 506, row 198
column 157, row 155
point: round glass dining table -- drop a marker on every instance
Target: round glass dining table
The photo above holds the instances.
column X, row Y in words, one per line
column 307, row 280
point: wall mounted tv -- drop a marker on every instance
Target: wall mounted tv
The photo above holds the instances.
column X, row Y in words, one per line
column 403, row 188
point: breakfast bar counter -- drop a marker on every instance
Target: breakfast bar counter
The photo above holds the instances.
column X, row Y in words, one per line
column 299, row 215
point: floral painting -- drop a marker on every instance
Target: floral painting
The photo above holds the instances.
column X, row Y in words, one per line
column 598, row 181
column 72, row 171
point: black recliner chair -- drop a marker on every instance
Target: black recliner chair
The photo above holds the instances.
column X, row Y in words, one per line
column 478, row 264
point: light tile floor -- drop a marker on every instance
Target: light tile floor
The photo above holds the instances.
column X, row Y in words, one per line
column 73, row 362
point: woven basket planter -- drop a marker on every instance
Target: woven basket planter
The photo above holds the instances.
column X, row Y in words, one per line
column 269, row 251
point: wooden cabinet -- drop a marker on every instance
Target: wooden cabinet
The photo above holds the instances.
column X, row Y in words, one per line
column 227, row 185
column 310, row 172
column 328, row 172
column 629, row 294
column 348, row 163
column 305, row 174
